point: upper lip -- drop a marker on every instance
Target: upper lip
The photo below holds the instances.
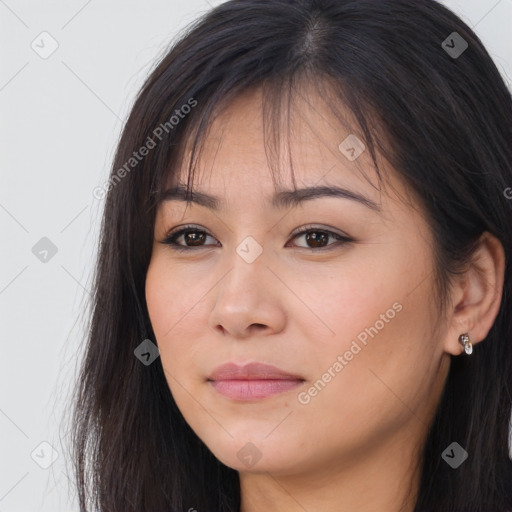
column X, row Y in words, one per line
column 251, row 371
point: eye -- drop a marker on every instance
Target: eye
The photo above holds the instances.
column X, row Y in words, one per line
column 191, row 237
column 318, row 238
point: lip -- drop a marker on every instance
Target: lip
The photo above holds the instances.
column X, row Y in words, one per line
column 252, row 381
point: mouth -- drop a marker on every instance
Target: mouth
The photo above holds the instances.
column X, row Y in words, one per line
column 252, row 381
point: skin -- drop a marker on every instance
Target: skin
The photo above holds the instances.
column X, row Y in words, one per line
column 356, row 444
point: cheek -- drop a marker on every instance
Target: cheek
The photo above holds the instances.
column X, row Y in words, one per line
column 173, row 308
column 175, row 343
column 375, row 357
column 374, row 390
column 357, row 299
column 386, row 373
column 173, row 296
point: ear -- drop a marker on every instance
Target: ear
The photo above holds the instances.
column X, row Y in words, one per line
column 476, row 294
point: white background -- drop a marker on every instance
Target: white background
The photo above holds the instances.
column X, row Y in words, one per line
column 60, row 121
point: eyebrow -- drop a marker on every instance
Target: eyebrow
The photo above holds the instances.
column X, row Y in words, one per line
column 281, row 199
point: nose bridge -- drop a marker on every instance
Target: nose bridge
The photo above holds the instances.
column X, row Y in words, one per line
column 247, row 277
column 244, row 295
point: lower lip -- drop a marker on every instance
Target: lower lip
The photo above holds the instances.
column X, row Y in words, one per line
column 253, row 389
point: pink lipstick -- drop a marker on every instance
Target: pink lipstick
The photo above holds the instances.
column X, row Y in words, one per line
column 252, row 381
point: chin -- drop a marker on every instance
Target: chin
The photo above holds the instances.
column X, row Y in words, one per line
column 254, row 455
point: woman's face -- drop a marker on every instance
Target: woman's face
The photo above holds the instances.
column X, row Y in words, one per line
column 348, row 321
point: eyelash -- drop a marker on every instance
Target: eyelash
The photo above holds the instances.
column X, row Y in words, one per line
column 172, row 236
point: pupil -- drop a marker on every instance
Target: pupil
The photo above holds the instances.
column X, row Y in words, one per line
column 316, row 237
column 194, row 237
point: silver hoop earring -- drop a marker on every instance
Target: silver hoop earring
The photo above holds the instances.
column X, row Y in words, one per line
column 465, row 340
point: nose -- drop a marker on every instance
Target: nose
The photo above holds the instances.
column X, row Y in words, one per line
column 249, row 300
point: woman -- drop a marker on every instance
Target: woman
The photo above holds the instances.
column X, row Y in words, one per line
column 302, row 297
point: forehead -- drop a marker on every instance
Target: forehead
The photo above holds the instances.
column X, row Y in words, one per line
column 303, row 141
column 249, row 155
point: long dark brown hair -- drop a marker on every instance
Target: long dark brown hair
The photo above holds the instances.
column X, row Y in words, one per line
column 446, row 127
